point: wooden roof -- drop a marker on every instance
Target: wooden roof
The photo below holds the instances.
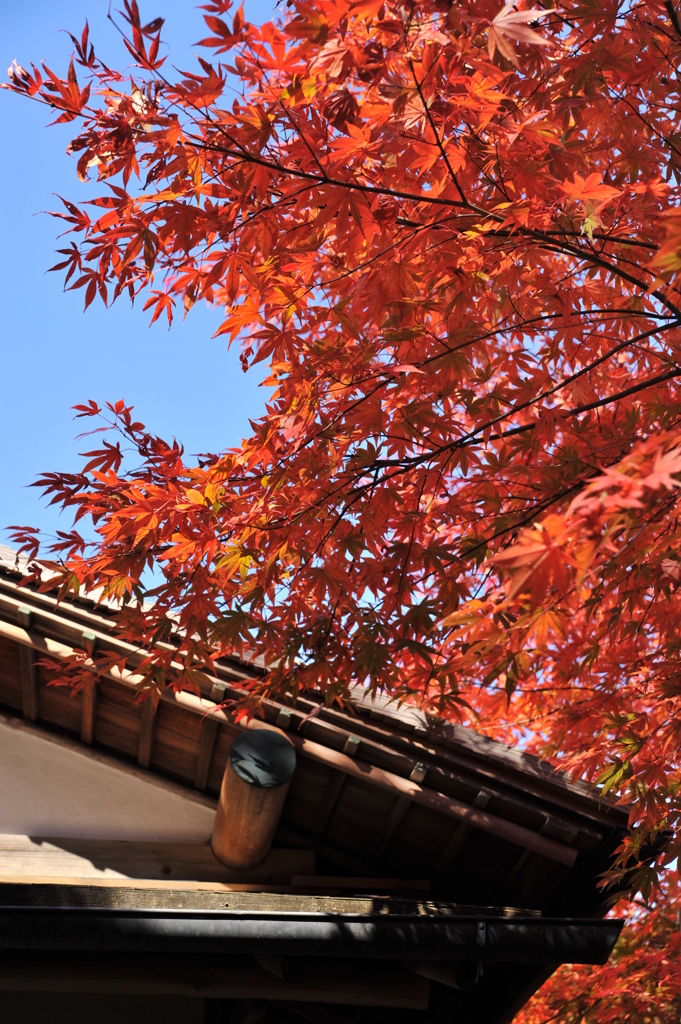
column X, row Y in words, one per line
column 380, row 792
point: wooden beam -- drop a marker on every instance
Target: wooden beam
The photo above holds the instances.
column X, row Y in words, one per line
column 460, row 836
column 346, row 861
column 209, row 733
column 352, row 745
column 328, row 802
column 283, row 719
column 146, row 744
column 515, row 870
column 550, row 827
column 89, row 702
column 27, row 859
column 218, row 691
column 29, row 682
column 88, row 713
column 395, row 818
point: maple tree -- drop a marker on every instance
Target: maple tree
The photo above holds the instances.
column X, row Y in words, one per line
column 452, row 231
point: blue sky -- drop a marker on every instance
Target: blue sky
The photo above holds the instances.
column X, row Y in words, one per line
column 181, row 382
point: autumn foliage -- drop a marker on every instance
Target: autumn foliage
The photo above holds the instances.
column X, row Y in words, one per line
column 452, row 232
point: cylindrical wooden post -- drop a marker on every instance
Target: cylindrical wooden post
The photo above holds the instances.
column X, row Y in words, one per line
column 254, row 786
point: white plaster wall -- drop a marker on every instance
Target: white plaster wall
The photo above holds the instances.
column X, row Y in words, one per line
column 49, row 788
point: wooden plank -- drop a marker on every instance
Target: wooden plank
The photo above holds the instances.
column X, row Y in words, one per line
column 88, row 714
column 460, row 836
column 145, row 885
column 119, row 718
column 89, row 706
column 346, row 861
column 539, row 871
column 29, row 683
column 10, row 675
column 395, row 818
column 208, row 738
column 223, row 742
column 328, row 802
column 254, row 898
column 177, row 740
column 146, row 745
column 99, row 859
column 57, row 705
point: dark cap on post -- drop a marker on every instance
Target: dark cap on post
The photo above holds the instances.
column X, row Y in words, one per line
column 263, row 758
column 259, row 768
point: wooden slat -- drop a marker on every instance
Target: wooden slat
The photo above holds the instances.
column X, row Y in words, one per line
column 549, row 828
column 461, row 835
column 177, row 741
column 119, row 718
column 328, row 802
column 88, row 714
column 29, row 683
column 89, row 707
column 346, row 861
column 57, row 706
column 395, row 818
column 208, row 738
column 147, row 733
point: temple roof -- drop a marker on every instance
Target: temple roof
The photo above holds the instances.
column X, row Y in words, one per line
column 385, row 799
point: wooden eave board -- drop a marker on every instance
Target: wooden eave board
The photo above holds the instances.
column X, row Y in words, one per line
column 146, row 893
